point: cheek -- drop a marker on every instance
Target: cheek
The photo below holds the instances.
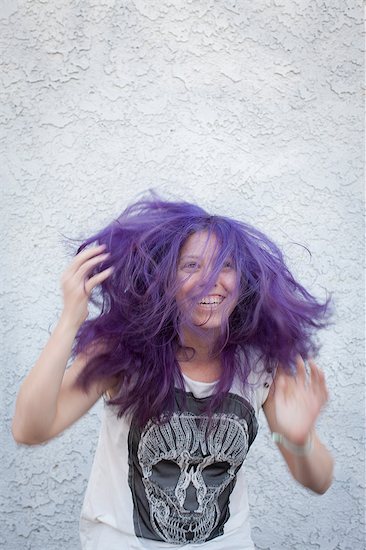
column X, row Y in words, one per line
column 233, row 291
column 230, row 284
column 186, row 285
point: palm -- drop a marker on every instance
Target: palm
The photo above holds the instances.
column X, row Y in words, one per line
column 298, row 401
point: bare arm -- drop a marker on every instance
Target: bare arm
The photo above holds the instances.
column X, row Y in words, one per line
column 48, row 402
column 291, row 409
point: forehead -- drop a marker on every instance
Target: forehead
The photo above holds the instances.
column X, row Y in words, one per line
column 199, row 244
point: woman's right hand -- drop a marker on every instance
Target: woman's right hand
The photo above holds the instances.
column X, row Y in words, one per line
column 48, row 401
column 77, row 286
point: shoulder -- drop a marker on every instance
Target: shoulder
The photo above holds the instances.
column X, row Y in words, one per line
column 259, row 380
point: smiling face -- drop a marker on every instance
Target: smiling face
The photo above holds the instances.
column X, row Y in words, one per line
column 195, row 265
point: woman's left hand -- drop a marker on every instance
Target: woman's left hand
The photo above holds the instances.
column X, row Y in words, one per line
column 298, row 400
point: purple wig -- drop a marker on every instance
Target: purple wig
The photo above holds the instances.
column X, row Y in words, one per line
column 140, row 323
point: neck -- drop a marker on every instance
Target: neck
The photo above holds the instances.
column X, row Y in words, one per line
column 202, row 347
column 200, row 365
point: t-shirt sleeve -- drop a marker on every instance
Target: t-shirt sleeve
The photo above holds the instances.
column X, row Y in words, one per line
column 262, row 386
column 259, row 382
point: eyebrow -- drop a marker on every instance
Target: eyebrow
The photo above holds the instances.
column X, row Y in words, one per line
column 190, row 257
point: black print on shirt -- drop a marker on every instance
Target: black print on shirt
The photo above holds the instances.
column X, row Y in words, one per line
column 182, row 472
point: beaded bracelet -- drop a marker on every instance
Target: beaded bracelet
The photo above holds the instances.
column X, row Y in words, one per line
column 298, row 450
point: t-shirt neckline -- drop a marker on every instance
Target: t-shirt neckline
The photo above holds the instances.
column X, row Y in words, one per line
column 199, row 382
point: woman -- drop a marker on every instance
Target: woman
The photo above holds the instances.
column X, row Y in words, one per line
column 200, row 325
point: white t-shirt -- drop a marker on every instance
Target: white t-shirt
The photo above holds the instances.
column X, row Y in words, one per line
column 180, row 484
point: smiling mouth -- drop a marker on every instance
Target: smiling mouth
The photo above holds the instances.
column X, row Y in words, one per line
column 211, row 301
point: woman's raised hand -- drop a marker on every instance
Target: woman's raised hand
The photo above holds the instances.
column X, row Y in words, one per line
column 77, row 285
column 298, row 401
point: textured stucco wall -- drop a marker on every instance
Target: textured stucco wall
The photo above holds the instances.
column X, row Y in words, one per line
column 252, row 109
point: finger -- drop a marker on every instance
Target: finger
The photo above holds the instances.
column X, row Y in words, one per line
column 323, row 385
column 97, row 279
column 314, row 373
column 279, row 388
column 84, row 255
column 89, row 265
column 318, row 381
column 300, row 370
column 284, row 384
column 317, row 377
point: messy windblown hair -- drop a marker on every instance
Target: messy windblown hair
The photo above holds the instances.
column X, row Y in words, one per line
column 140, row 323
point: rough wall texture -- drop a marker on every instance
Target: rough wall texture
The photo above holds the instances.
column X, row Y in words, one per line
column 252, row 109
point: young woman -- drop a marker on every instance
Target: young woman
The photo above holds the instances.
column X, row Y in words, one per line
column 200, row 325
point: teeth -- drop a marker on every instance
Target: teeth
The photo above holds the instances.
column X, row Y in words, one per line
column 212, row 301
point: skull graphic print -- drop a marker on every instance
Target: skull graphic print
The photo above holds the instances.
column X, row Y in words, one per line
column 183, row 470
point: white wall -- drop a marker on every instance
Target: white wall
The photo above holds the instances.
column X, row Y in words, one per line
column 252, row 109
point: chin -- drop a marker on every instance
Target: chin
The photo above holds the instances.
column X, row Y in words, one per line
column 214, row 322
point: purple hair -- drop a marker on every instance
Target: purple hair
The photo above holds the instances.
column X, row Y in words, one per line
column 140, row 324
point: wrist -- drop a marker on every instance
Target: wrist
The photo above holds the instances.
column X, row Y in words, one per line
column 302, row 449
column 66, row 323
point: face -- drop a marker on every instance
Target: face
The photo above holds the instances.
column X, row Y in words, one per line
column 194, row 264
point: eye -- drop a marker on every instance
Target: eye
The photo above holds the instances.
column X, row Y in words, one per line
column 228, row 264
column 191, row 266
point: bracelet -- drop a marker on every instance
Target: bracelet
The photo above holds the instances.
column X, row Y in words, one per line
column 298, row 450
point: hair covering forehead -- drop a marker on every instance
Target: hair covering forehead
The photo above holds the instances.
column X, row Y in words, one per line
column 226, row 233
column 201, row 243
